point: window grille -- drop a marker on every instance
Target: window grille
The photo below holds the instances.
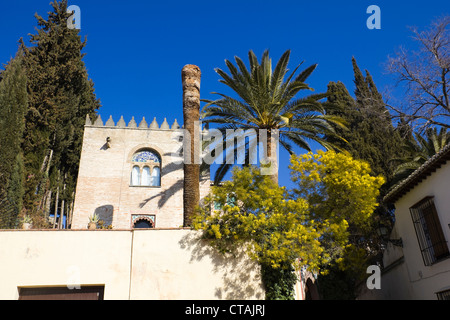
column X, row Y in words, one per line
column 429, row 231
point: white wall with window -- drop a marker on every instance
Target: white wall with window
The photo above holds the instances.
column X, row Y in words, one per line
column 422, row 221
column 420, row 269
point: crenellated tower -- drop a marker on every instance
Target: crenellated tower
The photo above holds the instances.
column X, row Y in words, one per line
column 131, row 175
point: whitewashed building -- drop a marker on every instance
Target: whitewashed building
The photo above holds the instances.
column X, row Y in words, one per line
column 416, row 262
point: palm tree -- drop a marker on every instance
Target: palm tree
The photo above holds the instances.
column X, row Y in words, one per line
column 267, row 100
column 420, row 149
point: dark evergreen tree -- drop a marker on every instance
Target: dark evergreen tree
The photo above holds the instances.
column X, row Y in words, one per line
column 13, row 105
column 61, row 95
column 375, row 139
column 341, row 103
column 371, row 136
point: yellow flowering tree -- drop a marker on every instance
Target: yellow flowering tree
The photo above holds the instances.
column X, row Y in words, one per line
column 343, row 191
column 283, row 229
column 253, row 213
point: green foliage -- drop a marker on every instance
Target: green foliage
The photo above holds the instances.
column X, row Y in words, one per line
column 94, row 218
column 27, row 219
column 279, row 282
column 420, row 149
column 282, row 229
column 13, row 105
column 370, row 136
column 337, row 284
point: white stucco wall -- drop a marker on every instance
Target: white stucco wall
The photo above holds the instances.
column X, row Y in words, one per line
column 425, row 281
column 410, row 278
column 131, row 264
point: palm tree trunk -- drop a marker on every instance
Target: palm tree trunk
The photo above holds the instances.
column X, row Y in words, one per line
column 191, row 112
column 273, row 159
column 270, row 144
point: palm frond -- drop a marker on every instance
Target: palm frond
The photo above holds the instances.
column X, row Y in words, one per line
column 420, row 149
column 280, row 71
column 232, row 106
column 243, row 69
column 407, row 167
column 306, row 73
column 269, row 99
column 221, row 172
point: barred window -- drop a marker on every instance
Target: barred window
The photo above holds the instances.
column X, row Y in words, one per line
column 429, row 231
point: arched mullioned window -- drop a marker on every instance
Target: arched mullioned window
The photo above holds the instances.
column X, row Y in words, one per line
column 146, row 169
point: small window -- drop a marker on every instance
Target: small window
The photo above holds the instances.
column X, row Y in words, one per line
column 146, row 171
column 143, row 224
column 136, row 176
column 146, row 178
column 142, row 221
column 429, row 232
column 156, row 177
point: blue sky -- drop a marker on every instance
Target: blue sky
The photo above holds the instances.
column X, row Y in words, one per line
column 136, row 49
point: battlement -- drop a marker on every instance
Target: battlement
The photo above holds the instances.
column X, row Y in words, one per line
column 115, row 185
column 98, row 123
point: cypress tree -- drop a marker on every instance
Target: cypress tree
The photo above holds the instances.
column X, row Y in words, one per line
column 342, row 104
column 377, row 140
column 13, row 105
column 61, row 95
column 371, row 137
